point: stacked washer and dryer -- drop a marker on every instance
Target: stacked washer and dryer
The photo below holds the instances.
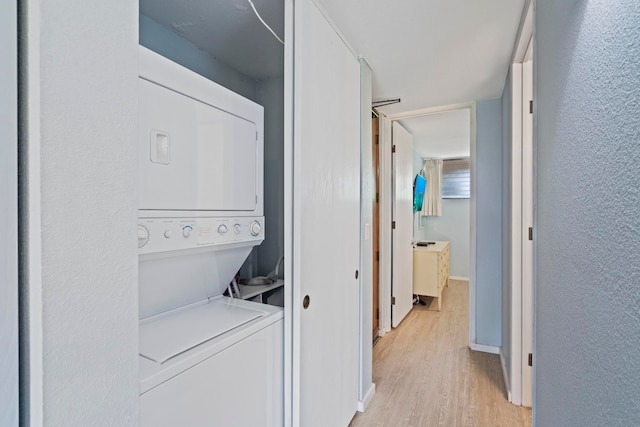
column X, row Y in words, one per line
column 205, row 359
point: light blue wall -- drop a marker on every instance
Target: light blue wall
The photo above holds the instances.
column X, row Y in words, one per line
column 271, row 96
column 488, row 187
column 587, row 352
column 169, row 44
column 506, row 227
column 452, row 226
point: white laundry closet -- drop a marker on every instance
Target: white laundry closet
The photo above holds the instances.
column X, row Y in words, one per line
column 311, row 169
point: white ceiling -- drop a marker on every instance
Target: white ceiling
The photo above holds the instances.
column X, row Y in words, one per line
column 443, row 135
column 227, row 29
column 427, row 52
column 431, row 53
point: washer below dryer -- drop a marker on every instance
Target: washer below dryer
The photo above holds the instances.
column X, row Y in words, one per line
column 213, row 363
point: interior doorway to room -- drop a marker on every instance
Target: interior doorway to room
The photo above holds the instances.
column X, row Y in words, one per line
column 446, row 124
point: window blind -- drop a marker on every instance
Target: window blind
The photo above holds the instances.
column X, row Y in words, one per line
column 456, row 179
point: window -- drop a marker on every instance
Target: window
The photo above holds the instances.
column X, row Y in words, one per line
column 456, row 179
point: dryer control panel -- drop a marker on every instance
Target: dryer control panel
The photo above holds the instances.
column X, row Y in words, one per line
column 170, row 234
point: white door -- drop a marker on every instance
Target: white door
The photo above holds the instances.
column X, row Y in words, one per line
column 326, row 218
column 402, row 249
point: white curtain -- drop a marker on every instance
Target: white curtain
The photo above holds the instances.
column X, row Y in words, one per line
column 432, row 171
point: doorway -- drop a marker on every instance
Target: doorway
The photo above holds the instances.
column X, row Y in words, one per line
column 386, row 201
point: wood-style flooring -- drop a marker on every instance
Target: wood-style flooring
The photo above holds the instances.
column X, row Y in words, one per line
column 426, row 375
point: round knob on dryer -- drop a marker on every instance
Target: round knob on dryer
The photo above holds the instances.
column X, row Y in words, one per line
column 237, row 228
column 143, row 235
column 167, row 234
column 222, row 229
column 255, row 228
column 186, row 231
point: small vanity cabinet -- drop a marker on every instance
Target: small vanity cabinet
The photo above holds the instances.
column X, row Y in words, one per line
column 431, row 270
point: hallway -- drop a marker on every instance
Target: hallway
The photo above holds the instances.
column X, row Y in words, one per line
column 426, row 375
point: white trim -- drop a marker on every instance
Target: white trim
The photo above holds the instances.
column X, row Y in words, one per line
column 518, row 107
column 527, row 245
column 288, row 212
column 326, row 15
column 525, row 32
column 364, row 403
column 460, row 278
column 504, row 376
column 385, row 223
column 473, row 231
column 515, row 387
column 484, row 348
column 431, row 110
column 33, row 395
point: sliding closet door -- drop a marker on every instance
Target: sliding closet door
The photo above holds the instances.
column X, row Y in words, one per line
column 326, row 213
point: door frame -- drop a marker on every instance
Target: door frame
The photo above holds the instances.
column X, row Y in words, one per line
column 386, row 204
column 521, row 305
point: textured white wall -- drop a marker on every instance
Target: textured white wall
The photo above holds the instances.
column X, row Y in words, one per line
column 587, row 359
column 489, row 223
column 81, row 181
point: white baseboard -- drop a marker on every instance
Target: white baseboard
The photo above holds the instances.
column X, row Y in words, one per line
column 484, row 348
column 362, row 404
column 506, row 378
column 461, row 278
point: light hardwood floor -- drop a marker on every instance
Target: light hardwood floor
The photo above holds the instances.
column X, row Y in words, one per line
column 426, row 375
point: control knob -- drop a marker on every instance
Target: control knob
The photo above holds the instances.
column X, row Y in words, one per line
column 237, row 228
column 255, row 228
column 186, row 231
column 222, row 229
column 143, row 235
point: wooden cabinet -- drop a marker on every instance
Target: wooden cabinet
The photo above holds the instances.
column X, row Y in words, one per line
column 431, row 270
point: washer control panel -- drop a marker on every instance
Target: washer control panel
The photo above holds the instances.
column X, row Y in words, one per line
column 170, row 234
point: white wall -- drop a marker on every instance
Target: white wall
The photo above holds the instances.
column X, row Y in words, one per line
column 587, row 302
column 488, row 187
column 9, row 215
column 79, row 217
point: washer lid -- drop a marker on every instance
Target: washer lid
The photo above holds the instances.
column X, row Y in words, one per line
column 169, row 336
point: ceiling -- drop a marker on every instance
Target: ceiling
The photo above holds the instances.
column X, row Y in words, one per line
column 228, row 29
column 431, row 53
column 442, row 135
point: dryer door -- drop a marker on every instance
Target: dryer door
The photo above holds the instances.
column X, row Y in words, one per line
column 194, row 156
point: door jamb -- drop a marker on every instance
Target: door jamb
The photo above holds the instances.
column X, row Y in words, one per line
column 522, row 49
